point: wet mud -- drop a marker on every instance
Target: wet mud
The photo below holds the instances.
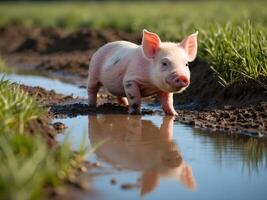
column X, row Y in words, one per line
column 55, row 50
column 248, row 120
column 72, row 109
column 43, row 124
column 206, row 104
column 45, row 97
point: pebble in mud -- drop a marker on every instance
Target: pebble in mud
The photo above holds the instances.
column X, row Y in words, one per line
column 128, row 186
column 113, row 181
column 96, row 164
column 81, row 182
column 87, row 164
column 84, row 184
column 83, row 169
column 58, row 191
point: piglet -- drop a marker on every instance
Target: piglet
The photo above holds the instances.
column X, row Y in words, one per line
column 131, row 71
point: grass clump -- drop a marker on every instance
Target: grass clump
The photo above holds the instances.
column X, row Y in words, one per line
column 236, row 52
column 28, row 165
column 17, row 109
column 27, row 162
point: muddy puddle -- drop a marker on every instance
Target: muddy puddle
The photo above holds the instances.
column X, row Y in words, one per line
column 155, row 157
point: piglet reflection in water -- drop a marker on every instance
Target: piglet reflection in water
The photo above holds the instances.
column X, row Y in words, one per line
column 136, row 144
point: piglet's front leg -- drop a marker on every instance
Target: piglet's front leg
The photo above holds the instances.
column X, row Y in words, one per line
column 166, row 100
column 132, row 91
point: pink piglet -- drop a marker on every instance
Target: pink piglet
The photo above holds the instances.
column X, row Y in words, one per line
column 130, row 71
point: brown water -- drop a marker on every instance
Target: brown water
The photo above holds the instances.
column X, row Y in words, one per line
column 160, row 159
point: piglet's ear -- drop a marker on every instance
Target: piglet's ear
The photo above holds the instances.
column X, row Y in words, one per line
column 149, row 181
column 190, row 46
column 150, row 43
column 187, row 178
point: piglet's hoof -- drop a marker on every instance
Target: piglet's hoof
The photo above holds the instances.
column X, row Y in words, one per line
column 134, row 111
column 92, row 105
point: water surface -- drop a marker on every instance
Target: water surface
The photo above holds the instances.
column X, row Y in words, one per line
column 163, row 159
column 160, row 158
column 46, row 83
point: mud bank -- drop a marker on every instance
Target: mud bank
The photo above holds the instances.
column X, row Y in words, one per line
column 45, row 97
column 43, row 124
column 55, row 50
column 248, row 120
column 205, row 90
column 238, row 108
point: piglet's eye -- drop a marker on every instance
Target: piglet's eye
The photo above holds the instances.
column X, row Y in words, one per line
column 186, row 64
column 164, row 63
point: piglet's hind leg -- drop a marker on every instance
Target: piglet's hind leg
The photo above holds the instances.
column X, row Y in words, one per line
column 133, row 95
column 93, row 88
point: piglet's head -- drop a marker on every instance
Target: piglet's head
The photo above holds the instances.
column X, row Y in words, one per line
column 169, row 72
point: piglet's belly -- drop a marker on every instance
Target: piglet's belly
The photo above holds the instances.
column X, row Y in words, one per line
column 114, row 86
column 117, row 91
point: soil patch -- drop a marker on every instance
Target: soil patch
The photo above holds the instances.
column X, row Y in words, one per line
column 43, row 125
column 72, row 109
column 248, row 120
column 45, row 97
column 55, row 50
column 206, row 91
column 18, row 38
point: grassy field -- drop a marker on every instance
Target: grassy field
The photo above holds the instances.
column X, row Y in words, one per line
column 27, row 162
column 232, row 34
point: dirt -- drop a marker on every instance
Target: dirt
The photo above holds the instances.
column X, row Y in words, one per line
column 54, row 49
column 43, row 125
column 205, row 90
column 248, row 120
column 45, row 97
column 74, row 108
column 206, row 104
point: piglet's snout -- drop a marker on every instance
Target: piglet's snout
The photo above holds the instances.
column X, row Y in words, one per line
column 177, row 81
column 180, row 81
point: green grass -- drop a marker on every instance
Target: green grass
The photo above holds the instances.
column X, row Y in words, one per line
column 17, row 109
column 27, row 163
column 236, row 52
column 232, row 34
